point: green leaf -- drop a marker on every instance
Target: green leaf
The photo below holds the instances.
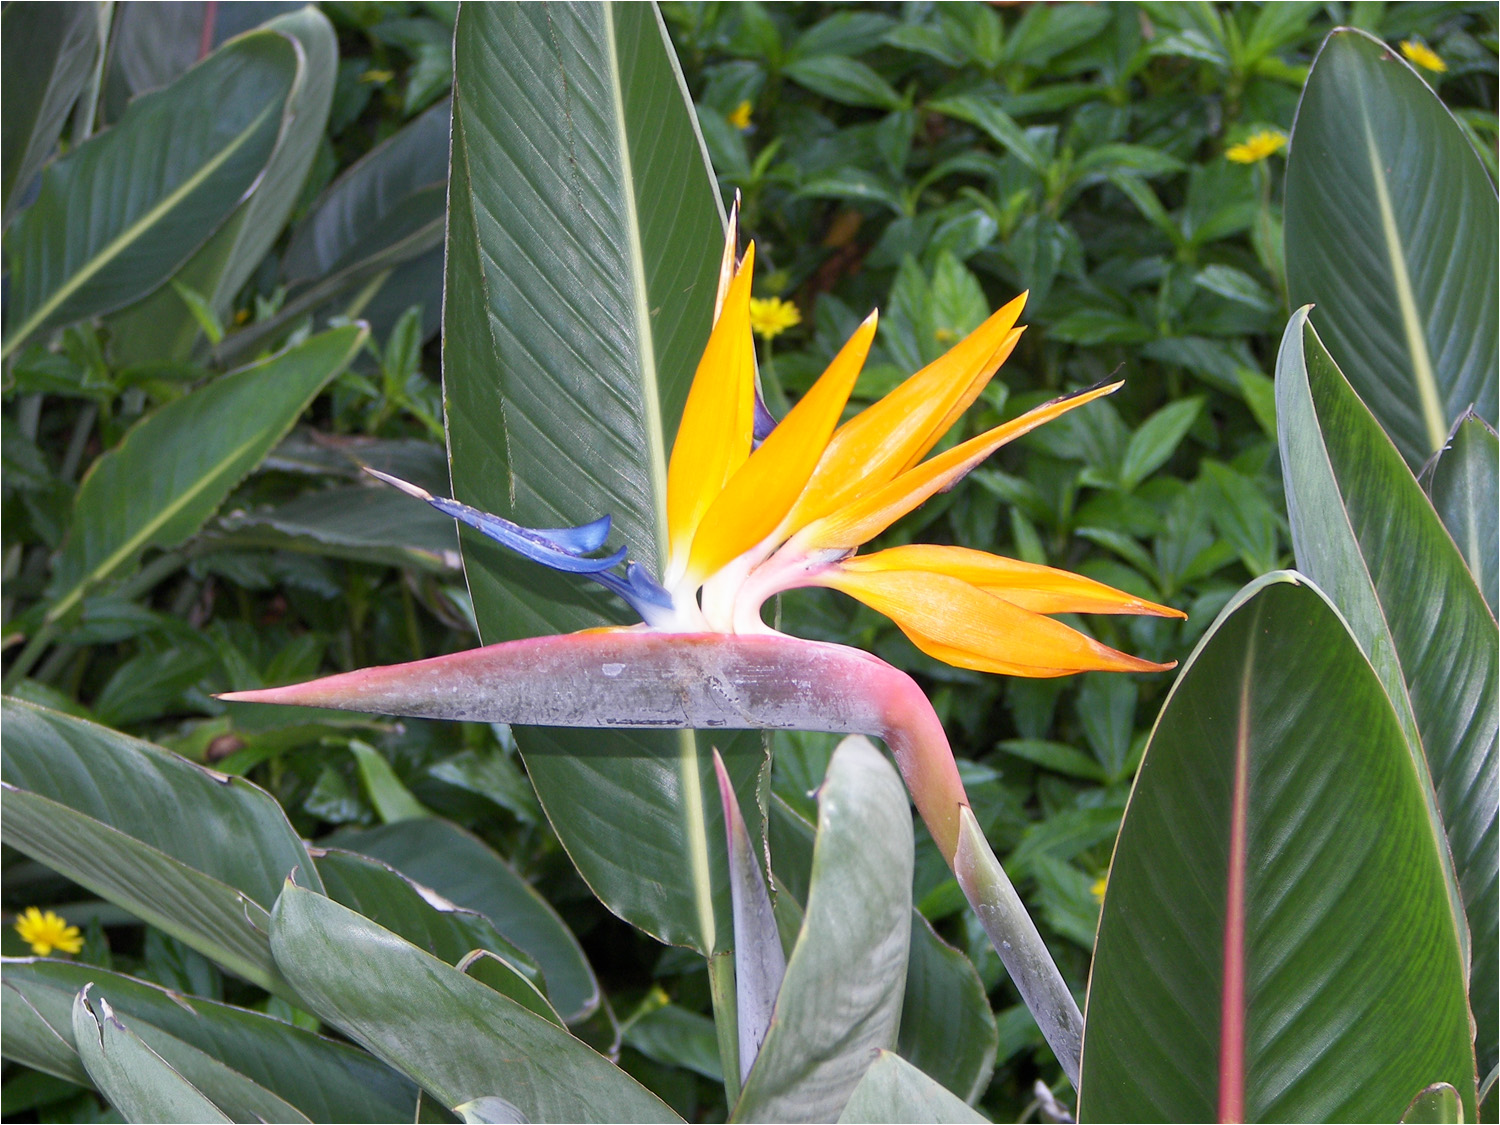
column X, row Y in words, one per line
column 458, row 1038
column 841, row 998
column 894, row 1090
column 163, row 481
column 843, row 80
column 562, row 410
column 130, row 1074
column 1391, row 231
column 88, row 802
column 1461, row 482
column 392, row 800
column 161, row 326
column 1363, row 530
column 674, row 1036
column 214, row 129
column 1438, row 1103
column 1276, row 882
column 990, row 118
column 48, row 50
column 323, row 1079
column 947, row 1027
column 464, row 870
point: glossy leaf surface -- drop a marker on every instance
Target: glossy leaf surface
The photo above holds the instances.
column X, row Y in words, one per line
column 1463, row 482
column 163, row 481
column 583, row 247
column 1276, row 943
column 1364, row 531
column 458, row 1038
column 840, row 1000
column 324, row 1079
column 154, row 187
column 1391, row 231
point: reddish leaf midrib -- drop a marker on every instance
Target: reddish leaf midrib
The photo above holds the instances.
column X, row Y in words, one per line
column 1232, row 1006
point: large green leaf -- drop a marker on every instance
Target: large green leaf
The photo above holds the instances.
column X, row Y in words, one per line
column 583, row 245
column 840, row 1000
column 138, row 1081
column 324, row 1079
column 163, row 480
column 88, row 802
column 1391, row 231
column 47, row 51
column 467, row 872
column 1463, row 481
column 458, row 1038
column 894, row 1090
column 161, row 326
column 1365, row 532
column 154, row 187
column 1277, row 942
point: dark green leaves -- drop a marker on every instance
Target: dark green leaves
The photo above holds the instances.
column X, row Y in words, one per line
column 1276, row 884
column 1391, row 232
column 1461, row 482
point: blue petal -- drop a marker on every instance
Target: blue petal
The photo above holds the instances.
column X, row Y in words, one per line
column 581, row 540
column 764, row 422
column 538, row 546
column 644, row 594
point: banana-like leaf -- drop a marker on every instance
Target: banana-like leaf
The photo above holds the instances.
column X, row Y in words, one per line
column 47, row 52
column 155, row 186
column 133, row 1077
column 163, row 481
column 584, row 236
column 87, row 801
column 458, row 1038
column 894, row 1090
column 466, row 871
column 1391, row 230
column 161, row 327
column 324, row 1079
column 1365, row 532
column 1438, row 1104
column 840, row 1001
column 1277, row 942
column 1463, row 481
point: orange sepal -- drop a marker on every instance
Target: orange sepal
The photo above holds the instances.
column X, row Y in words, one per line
column 1041, row 589
column 879, row 442
column 964, row 626
column 768, row 484
column 715, row 434
column 867, row 517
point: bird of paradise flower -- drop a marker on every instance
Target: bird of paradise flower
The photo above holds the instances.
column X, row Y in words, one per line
column 756, row 507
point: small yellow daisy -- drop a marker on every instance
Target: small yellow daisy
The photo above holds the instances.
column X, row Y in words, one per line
column 1423, row 55
column 1097, row 890
column 740, row 118
column 46, row 932
column 771, row 316
column 1256, row 147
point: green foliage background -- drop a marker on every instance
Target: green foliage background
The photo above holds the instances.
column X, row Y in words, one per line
column 928, row 159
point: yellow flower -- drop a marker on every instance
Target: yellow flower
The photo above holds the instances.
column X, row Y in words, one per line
column 46, row 932
column 740, row 118
column 771, row 316
column 1423, row 55
column 1097, row 890
column 1257, row 146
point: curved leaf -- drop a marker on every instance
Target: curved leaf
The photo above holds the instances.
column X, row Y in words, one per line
column 161, row 327
column 324, row 1079
column 1363, row 530
column 894, row 1090
column 1463, row 481
column 584, row 241
column 1276, row 943
column 154, row 187
column 48, row 51
column 947, row 1027
column 464, row 870
column 1391, row 230
column 163, row 481
column 458, row 1038
column 840, row 1000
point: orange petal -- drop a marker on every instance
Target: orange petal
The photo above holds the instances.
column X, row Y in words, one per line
column 963, row 625
column 763, row 491
column 868, row 516
column 727, row 262
column 1041, row 589
column 881, row 441
column 714, row 436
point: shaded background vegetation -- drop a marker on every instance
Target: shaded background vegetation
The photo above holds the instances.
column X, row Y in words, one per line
column 928, row 159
